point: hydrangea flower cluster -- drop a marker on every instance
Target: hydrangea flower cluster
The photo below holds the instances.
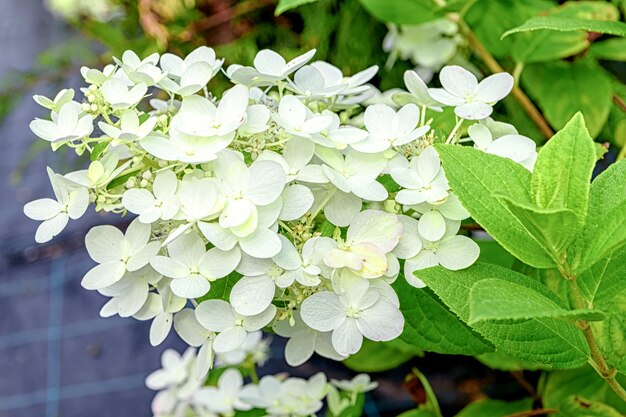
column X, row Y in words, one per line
column 284, row 203
column 180, row 393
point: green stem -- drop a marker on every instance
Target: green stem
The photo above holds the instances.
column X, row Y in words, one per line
column 455, row 130
column 597, row 361
column 253, row 375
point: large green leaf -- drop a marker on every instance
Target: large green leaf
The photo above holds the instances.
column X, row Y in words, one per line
column 605, row 230
column 576, row 406
column 549, row 342
column 498, row 299
column 403, row 12
column 379, row 356
column 562, row 89
column 613, row 49
column 565, row 24
column 495, row 408
column 431, row 326
column 554, row 228
column 559, row 386
column 284, row 5
column 605, row 280
column 476, row 177
column 489, row 19
column 562, row 175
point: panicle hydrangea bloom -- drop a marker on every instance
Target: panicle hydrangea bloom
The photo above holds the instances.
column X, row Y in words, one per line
column 293, row 207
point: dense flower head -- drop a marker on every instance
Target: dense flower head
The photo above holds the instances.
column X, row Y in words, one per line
column 292, row 207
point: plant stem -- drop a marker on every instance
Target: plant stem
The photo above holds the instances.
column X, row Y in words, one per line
column 494, row 66
column 597, row 360
column 530, row 413
column 452, row 134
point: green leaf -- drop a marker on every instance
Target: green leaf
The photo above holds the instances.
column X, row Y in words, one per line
column 379, row 356
column 603, row 286
column 565, row 24
column 555, row 229
column 418, row 412
column 558, row 387
column 576, row 406
column 97, row 150
column 505, row 362
column 561, row 89
column 497, row 299
column 562, row 175
column 475, row 176
column 611, row 49
column 403, row 12
column 491, row 252
column 431, row 405
column 284, row 5
column 431, row 326
column 548, row 342
column 489, row 19
column 220, row 289
column 605, row 230
column 495, row 408
column 121, row 180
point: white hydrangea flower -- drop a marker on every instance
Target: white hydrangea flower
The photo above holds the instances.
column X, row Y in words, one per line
column 269, row 68
column 62, row 98
column 353, row 85
column 187, row 77
column 200, row 129
column 432, row 224
column 423, row 180
column 71, row 201
column 471, row 100
column 304, row 341
column 141, row 70
column 160, row 307
column 193, row 268
column 161, row 203
column 67, row 125
column 336, row 136
column 256, row 120
column 225, row 398
column 355, row 173
column 296, row 161
column 232, row 328
column 370, row 237
column 129, row 294
column 175, row 384
column 120, row 96
column 300, row 397
column 266, row 394
column 389, row 129
column 359, row 384
column 308, row 82
column 254, row 292
column 116, row 253
column 97, row 77
column 130, row 128
column 254, row 348
column 192, row 332
column 355, row 309
column 299, row 120
column 101, row 172
column 452, row 252
column 519, row 148
column 252, row 206
column 417, row 93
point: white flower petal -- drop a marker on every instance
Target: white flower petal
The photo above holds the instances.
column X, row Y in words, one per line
column 346, row 338
column 494, row 88
column 215, row 315
column 103, row 275
column 323, row 311
column 160, row 328
column 297, row 200
column 229, row 340
column 252, row 295
column 191, row 286
column 457, row 252
column 432, row 225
